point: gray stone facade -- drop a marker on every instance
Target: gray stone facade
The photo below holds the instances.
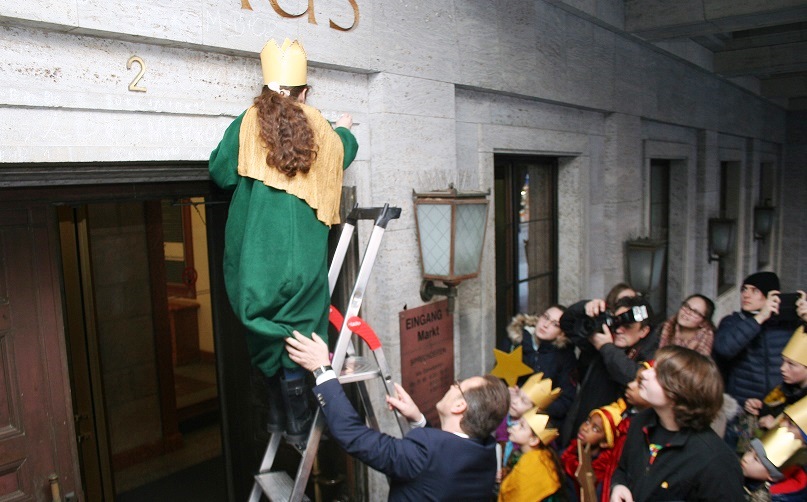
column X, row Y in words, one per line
column 436, row 89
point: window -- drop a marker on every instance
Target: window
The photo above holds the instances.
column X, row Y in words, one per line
column 729, row 208
column 526, row 237
column 766, row 183
column 660, row 227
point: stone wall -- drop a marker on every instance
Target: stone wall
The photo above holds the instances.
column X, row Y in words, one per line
column 436, row 90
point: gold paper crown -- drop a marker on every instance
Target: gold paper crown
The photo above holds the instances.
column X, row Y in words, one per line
column 796, row 348
column 797, row 412
column 540, row 391
column 537, row 423
column 286, row 65
column 611, row 418
column 780, row 445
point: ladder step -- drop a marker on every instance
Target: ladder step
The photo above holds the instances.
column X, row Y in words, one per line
column 277, row 486
column 358, row 369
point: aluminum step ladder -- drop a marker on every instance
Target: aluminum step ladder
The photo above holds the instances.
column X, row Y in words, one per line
column 278, row 485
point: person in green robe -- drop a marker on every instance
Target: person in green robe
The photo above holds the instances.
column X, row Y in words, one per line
column 284, row 161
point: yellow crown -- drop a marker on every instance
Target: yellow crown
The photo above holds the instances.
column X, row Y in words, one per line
column 537, row 423
column 611, row 418
column 780, row 445
column 796, row 348
column 540, row 391
column 797, row 412
column 286, row 65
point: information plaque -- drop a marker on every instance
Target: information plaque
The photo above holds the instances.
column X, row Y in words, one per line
column 427, row 355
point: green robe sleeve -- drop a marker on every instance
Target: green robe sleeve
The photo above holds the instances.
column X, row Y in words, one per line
column 223, row 165
column 349, row 143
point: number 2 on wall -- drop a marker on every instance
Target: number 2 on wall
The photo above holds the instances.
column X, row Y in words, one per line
column 133, row 85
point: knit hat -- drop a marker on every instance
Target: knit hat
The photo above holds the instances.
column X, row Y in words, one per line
column 611, row 417
column 774, row 449
column 763, row 281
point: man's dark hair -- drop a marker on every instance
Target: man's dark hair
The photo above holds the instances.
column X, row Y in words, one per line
column 635, row 301
column 487, row 406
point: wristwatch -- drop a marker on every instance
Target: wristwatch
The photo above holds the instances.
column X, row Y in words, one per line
column 322, row 369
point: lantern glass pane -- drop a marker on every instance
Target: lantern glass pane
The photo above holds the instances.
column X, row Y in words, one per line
column 658, row 266
column 722, row 235
column 640, row 263
column 470, row 232
column 434, row 226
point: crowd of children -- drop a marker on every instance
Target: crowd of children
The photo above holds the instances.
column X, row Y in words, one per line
column 663, row 440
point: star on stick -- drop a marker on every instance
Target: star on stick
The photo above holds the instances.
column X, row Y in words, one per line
column 509, row 366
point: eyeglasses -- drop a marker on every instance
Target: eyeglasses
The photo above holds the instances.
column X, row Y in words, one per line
column 457, row 383
column 687, row 308
column 551, row 321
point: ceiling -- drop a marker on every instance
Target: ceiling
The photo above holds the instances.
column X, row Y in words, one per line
column 760, row 44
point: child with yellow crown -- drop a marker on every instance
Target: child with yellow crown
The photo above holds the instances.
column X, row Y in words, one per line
column 284, row 161
column 771, row 469
column 536, row 393
column 597, row 436
column 793, row 386
column 537, row 474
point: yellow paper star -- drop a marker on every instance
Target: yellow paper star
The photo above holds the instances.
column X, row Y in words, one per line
column 509, row 366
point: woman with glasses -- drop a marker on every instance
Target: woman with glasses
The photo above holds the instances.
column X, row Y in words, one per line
column 691, row 326
column 546, row 349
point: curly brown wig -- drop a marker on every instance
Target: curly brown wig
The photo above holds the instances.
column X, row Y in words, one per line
column 692, row 382
column 285, row 131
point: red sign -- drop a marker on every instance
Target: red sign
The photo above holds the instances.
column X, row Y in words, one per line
column 427, row 355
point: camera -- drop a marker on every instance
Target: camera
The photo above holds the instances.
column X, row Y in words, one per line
column 593, row 325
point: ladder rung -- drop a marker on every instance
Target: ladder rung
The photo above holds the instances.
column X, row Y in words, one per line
column 358, row 369
column 276, row 486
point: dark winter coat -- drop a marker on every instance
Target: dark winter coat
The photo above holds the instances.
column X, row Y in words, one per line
column 693, row 465
column 750, row 354
column 606, row 373
column 557, row 361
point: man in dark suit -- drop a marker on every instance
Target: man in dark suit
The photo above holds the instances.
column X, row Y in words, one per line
column 455, row 462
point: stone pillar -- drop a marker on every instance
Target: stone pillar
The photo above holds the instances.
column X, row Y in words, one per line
column 620, row 190
column 708, row 206
column 413, row 146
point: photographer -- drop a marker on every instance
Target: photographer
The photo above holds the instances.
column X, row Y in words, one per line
column 614, row 352
column 749, row 344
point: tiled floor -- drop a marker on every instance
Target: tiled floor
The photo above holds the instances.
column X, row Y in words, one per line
column 195, row 385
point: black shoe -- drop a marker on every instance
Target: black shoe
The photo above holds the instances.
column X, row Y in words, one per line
column 276, row 418
column 299, row 412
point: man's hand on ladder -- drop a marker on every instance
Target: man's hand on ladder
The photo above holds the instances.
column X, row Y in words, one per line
column 403, row 402
column 310, row 353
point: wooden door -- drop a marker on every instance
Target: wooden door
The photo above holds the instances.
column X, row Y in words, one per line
column 36, row 422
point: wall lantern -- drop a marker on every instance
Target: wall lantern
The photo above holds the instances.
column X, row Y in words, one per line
column 451, row 231
column 645, row 263
column 721, row 238
column 763, row 220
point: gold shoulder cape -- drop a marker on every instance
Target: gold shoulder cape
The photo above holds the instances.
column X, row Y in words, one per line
column 321, row 187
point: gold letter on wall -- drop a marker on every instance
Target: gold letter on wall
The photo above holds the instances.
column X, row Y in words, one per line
column 310, row 10
column 355, row 17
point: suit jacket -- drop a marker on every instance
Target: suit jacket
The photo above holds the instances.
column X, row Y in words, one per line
column 426, row 464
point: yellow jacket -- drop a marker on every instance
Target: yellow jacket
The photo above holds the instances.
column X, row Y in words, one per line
column 534, row 478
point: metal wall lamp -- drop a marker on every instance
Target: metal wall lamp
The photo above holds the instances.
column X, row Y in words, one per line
column 451, row 233
column 645, row 262
column 721, row 237
column 763, row 220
